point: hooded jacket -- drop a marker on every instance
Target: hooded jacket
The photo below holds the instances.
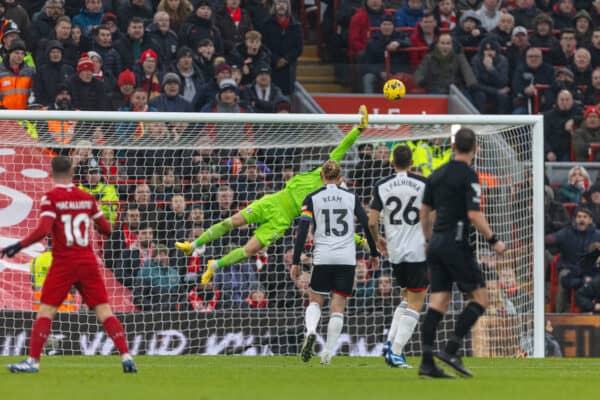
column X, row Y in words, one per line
column 195, row 29
column 547, row 41
column 87, row 19
column 467, row 39
column 49, row 76
column 496, row 78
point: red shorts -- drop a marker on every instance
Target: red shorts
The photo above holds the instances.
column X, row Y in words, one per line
column 83, row 274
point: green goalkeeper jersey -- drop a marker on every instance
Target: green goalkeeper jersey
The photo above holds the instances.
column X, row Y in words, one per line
column 299, row 186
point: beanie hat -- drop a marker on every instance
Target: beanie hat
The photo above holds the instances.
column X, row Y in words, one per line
column 54, row 44
column 222, row 67
column 95, row 54
column 126, row 78
column 228, row 84
column 17, row 44
column 85, row 63
column 171, row 77
column 109, row 17
column 184, row 51
column 148, row 53
column 589, row 110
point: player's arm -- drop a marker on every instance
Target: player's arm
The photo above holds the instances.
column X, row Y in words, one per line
column 338, row 153
column 426, row 211
column 476, row 217
column 375, row 208
column 363, row 220
column 306, row 218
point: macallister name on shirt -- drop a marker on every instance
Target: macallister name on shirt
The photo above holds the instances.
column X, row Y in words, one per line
column 74, row 205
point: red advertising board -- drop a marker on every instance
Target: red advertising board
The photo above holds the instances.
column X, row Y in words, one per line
column 377, row 104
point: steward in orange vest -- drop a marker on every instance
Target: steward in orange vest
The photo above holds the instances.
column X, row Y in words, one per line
column 16, row 78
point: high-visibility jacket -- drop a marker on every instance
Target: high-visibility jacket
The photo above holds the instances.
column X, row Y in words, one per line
column 39, row 268
column 62, row 131
column 15, row 88
column 107, row 193
column 28, row 59
column 426, row 157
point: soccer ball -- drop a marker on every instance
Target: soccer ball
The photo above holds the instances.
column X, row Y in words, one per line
column 394, row 89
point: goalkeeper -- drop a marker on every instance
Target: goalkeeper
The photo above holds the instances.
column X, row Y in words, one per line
column 273, row 213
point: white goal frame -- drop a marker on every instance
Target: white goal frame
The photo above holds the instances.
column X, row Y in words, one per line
column 537, row 158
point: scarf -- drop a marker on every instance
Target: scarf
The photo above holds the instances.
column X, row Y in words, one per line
column 236, row 15
column 283, row 22
column 130, row 237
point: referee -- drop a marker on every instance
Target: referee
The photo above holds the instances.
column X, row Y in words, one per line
column 454, row 194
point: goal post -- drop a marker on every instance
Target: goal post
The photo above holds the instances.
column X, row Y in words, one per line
column 213, row 159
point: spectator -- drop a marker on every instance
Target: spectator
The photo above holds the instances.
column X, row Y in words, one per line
column 88, row 93
column 489, row 14
column 362, row 173
column 257, row 298
column 250, row 183
column 134, row 10
column 425, row 34
column 15, row 12
column 442, row 67
column 10, row 32
column 50, row 76
column 466, row 5
column 105, row 193
column 62, row 34
column 178, row 11
column 170, row 100
column 210, row 89
column 190, row 75
column 364, row 288
column 224, row 204
column 164, row 38
column 364, row 18
column 204, row 58
column 43, row 23
column 262, row 95
column 157, row 282
column 543, row 35
column 524, row 13
column 102, row 44
column 582, row 67
column 556, row 216
column 250, row 55
column 90, row 16
column 259, row 12
column 227, row 100
column 82, row 159
column 573, row 189
column 14, row 73
column 79, row 44
column 165, row 184
column 559, row 125
column 562, row 54
column 233, row 22
column 109, row 81
column 409, row 15
column 491, row 70
column 282, row 35
column 503, row 31
column 386, row 39
column 595, row 13
column 469, row 31
column 583, row 28
column 533, row 71
column 562, row 14
column 147, row 73
column 587, row 297
column 592, row 197
column 119, row 250
column 109, row 164
column 200, row 26
column 142, row 196
column 112, row 23
column 592, row 93
column 444, row 14
column 565, row 79
column 573, row 242
column 132, row 45
column 122, row 97
column 594, row 47
column 62, row 132
column 203, row 184
column 174, row 223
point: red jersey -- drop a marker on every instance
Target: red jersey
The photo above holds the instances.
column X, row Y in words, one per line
column 74, row 212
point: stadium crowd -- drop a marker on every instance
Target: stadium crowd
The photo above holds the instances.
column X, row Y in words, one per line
column 231, row 56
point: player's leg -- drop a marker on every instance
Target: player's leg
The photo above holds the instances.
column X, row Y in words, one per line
column 399, row 278
column 343, row 283
column 213, row 232
column 312, row 316
column 114, row 330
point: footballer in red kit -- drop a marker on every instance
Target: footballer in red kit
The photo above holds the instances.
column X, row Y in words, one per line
column 67, row 213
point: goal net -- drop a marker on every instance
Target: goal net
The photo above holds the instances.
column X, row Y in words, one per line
column 162, row 178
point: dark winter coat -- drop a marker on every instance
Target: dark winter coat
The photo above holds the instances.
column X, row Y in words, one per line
column 581, row 141
column 128, row 11
column 587, row 296
column 163, row 103
column 556, row 217
column 558, row 57
column 556, row 138
column 240, row 53
column 41, row 27
column 467, row 39
column 406, row 16
column 125, row 49
column 47, row 78
column 88, row 96
column 375, row 53
column 195, row 29
column 436, row 72
column 232, row 35
column 166, row 44
column 572, row 245
column 524, row 16
column 490, row 80
column 111, row 59
column 543, row 75
column 250, row 96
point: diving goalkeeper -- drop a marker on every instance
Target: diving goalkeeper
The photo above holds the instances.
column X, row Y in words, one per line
column 273, row 213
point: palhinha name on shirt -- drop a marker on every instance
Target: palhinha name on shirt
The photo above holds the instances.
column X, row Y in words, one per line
column 404, row 182
column 74, row 205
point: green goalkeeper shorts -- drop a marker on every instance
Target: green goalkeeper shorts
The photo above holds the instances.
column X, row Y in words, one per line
column 273, row 214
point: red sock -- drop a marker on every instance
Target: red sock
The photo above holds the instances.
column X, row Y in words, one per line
column 39, row 334
column 113, row 328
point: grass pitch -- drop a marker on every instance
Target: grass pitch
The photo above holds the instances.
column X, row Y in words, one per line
column 266, row 378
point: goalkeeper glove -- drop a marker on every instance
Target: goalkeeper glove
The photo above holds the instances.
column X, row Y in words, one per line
column 364, row 244
column 10, row 251
column 364, row 117
column 186, row 247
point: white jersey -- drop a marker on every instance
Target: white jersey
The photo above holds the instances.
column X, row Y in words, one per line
column 332, row 210
column 399, row 196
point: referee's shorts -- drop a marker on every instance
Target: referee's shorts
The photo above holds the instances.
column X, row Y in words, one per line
column 338, row 279
column 451, row 261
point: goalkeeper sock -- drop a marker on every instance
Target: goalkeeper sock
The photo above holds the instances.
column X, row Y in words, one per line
column 312, row 317
column 214, row 232
column 394, row 327
column 428, row 333
column 114, row 330
column 334, row 329
column 406, row 326
column 233, row 257
column 465, row 322
column 39, row 335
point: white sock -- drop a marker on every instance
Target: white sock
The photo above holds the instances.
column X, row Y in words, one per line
column 334, row 329
column 406, row 327
column 397, row 314
column 126, row 357
column 312, row 317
